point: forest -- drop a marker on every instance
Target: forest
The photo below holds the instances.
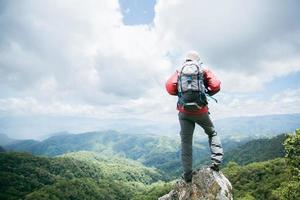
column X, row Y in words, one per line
column 265, row 168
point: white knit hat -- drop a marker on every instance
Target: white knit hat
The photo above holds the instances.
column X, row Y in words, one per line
column 192, row 55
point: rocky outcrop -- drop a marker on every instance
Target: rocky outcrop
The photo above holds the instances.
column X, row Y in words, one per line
column 206, row 184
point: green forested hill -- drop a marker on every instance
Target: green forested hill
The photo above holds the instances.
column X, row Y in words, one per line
column 160, row 152
column 117, row 168
column 153, row 151
column 273, row 179
column 74, row 177
column 90, row 175
column 22, row 173
column 257, row 150
column 257, row 180
column 252, row 151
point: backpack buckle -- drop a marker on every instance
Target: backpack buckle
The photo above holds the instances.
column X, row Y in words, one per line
column 191, row 106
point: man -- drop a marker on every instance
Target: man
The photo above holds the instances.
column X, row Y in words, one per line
column 191, row 84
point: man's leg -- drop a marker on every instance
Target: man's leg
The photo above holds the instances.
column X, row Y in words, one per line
column 214, row 142
column 186, row 134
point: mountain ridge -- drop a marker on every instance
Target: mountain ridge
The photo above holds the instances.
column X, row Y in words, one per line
column 5, row 140
column 257, row 126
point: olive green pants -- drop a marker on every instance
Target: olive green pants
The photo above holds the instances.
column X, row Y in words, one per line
column 187, row 124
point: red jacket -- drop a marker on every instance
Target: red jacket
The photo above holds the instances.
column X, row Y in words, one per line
column 211, row 83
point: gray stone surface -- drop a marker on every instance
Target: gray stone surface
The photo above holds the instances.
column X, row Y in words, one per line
column 206, row 185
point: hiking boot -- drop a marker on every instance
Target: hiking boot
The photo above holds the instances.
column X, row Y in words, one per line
column 214, row 167
column 187, row 177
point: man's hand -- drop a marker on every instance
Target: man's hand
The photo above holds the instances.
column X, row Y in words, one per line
column 209, row 92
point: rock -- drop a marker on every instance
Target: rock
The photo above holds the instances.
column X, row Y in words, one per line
column 206, row 184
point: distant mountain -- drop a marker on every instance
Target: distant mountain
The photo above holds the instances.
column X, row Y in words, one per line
column 158, row 151
column 257, row 126
column 148, row 149
column 129, row 145
column 22, row 145
column 5, row 140
column 2, row 149
column 54, row 134
column 161, row 152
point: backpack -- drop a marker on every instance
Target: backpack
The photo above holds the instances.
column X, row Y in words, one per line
column 191, row 89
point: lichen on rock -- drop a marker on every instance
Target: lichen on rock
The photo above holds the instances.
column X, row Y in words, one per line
column 206, row 185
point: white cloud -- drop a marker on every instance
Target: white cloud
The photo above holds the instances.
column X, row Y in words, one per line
column 83, row 47
column 234, row 105
column 255, row 40
column 75, row 58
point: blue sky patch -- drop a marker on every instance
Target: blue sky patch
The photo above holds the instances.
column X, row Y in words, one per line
column 136, row 12
column 290, row 81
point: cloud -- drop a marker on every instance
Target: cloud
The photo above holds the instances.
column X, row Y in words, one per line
column 255, row 39
column 75, row 58
column 234, row 105
column 84, row 48
column 153, row 113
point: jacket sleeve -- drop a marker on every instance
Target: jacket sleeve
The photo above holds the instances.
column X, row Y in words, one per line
column 211, row 82
column 171, row 84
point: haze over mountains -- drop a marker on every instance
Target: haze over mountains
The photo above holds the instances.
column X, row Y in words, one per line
column 257, row 126
column 235, row 128
column 5, row 140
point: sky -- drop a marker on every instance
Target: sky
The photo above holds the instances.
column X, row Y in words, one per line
column 92, row 65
